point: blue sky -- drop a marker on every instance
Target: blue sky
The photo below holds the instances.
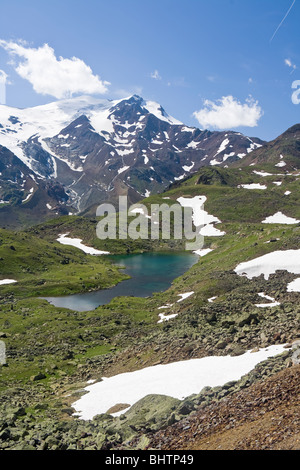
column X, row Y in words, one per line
column 208, row 62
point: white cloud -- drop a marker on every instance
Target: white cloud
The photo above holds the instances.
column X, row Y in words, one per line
column 155, row 75
column 51, row 76
column 289, row 63
column 228, row 112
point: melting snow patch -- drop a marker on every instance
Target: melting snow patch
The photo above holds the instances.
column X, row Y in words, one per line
column 7, row 281
column 179, row 178
column 193, row 145
column 188, row 168
column 215, row 162
column 223, row 146
column 178, row 380
column 270, row 263
column 121, row 170
column 200, row 216
column 226, row 156
column 165, row 306
column 262, row 173
column 294, row 286
column 253, row 186
column 187, row 129
column 280, row 218
column 211, row 231
column 76, row 242
column 29, row 195
column 164, row 318
column 185, row 296
column 281, row 164
column 253, row 146
column 203, row 251
column 273, row 304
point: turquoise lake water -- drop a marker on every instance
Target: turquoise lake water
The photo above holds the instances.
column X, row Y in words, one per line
column 149, row 272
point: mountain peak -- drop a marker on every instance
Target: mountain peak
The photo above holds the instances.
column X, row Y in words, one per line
column 98, row 148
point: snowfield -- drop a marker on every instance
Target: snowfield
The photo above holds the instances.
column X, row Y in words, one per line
column 201, row 218
column 178, row 380
column 280, row 218
column 77, row 243
column 268, row 264
column 294, row 286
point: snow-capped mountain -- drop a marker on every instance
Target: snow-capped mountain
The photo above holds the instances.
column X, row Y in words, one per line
column 95, row 150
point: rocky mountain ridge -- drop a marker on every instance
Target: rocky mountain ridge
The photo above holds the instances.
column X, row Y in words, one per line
column 96, row 150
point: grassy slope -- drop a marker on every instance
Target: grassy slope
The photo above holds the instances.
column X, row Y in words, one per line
column 49, row 268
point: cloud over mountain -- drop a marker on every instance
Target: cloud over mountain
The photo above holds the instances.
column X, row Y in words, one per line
column 49, row 75
column 228, row 112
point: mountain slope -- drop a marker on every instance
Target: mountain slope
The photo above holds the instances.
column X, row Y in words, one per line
column 99, row 149
column 282, row 153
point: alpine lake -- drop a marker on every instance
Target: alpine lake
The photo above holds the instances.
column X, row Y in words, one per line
column 149, row 273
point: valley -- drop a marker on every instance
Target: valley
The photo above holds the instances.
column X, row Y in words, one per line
column 237, row 294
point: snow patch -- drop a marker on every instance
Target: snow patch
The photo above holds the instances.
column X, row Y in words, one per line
column 188, row 168
column 268, row 264
column 77, row 242
column 164, row 317
column 201, row 218
column 184, row 296
column 262, row 173
column 294, row 286
column 281, row 164
column 7, row 281
column 269, row 305
column 253, row 186
column 121, row 170
column 203, row 252
column 280, row 218
column 178, row 380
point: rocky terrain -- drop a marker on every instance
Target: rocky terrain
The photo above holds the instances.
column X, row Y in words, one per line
column 263, row 416
column 259, row 412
